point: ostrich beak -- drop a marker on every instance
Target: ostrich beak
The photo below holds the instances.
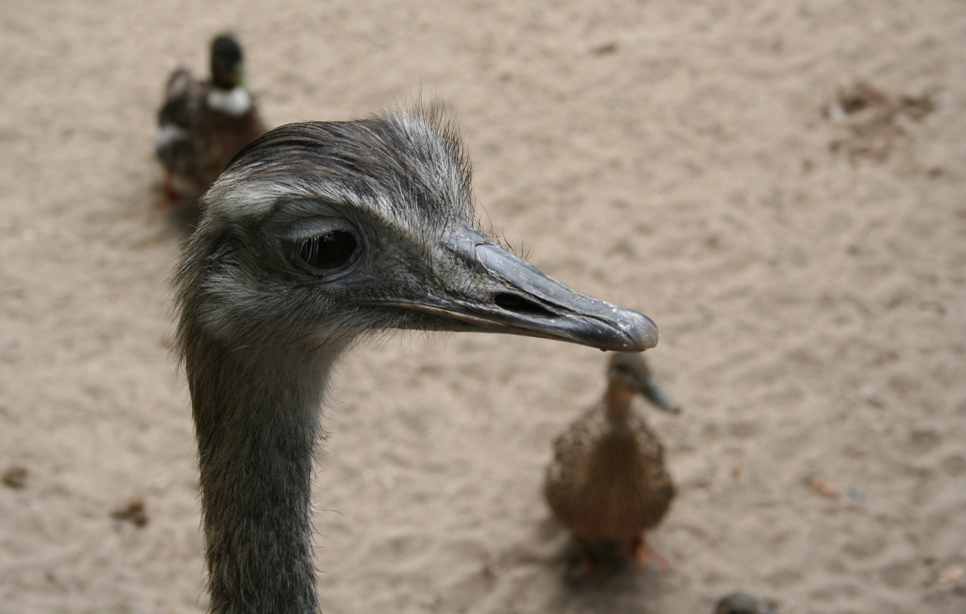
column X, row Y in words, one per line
column 498, row 292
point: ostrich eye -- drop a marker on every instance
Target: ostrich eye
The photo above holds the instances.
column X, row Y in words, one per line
column 327, row 251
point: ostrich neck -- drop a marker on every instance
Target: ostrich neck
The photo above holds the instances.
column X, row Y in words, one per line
column 256, row 417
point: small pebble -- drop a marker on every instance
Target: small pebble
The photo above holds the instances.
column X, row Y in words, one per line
column 739, row 603
column 836, row 114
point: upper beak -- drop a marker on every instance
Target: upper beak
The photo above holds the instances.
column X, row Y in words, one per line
column 499, row 292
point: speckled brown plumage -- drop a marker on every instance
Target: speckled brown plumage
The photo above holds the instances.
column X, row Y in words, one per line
column 607, row 481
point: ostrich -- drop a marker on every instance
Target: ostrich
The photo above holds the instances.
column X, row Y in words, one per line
column 315, row 235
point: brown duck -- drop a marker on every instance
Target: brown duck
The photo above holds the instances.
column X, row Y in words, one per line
column 607, row 482
column 203, row 124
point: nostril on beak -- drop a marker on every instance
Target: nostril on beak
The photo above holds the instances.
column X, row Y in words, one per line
column 521, row 305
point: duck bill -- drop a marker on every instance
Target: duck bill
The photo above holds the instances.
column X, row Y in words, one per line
column 656, row 393
column 241, row 75
column 506, row 294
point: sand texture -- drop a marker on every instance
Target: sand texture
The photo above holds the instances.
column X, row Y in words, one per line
column 780, row 185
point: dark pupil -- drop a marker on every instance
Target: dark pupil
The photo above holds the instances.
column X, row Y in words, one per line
column 328, row 251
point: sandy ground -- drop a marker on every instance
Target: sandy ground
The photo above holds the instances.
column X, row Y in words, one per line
column 804, row 256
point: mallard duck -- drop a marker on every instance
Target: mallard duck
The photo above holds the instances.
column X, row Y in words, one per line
column 607, row 482
column 203, row 124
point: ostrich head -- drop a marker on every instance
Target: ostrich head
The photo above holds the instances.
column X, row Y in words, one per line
column 318, row 233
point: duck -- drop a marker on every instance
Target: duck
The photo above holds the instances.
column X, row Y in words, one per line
column 203, row 124
column 607, row 482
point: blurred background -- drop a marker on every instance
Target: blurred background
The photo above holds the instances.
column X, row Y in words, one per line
column 779, row 185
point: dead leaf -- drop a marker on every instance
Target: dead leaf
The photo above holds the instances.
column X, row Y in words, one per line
column 951, row 574
column 135, row 511
column 822, row 487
